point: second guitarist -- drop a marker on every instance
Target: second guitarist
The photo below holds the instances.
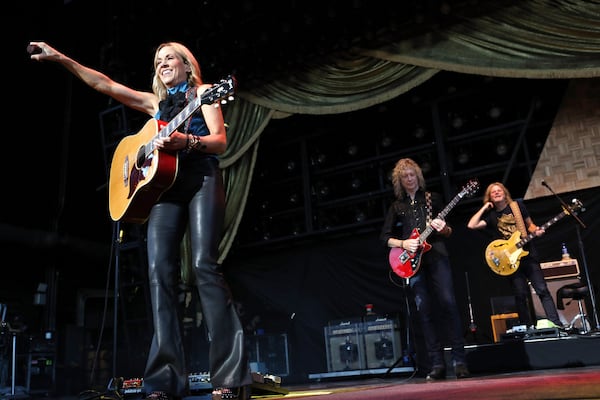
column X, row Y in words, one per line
column 432, row 285
column 501, row 216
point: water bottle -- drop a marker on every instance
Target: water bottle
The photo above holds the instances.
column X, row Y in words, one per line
column 565, row 252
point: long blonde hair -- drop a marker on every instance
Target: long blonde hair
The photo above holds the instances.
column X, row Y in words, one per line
column 194, row 77
column 488, row 191
column 402, row 165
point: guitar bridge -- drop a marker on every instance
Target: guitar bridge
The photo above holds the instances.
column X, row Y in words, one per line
column 126, row 172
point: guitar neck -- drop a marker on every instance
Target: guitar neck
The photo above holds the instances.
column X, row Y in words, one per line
column 171, row 127
column 179, row 118
column 442, row 214
column 547, row 225
column 211, row 96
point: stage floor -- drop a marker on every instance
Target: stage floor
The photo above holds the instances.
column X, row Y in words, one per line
column 565, row 383
column 537, row 368
column 556, row 367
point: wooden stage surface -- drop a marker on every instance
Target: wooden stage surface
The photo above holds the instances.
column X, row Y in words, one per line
column 566, row 383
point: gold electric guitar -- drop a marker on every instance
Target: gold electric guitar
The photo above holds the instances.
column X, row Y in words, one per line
column 504, row 256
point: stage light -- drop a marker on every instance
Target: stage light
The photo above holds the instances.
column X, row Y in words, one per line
column 291, row 165
column 359, row 216
column 323, row 190
column 495, row 112
column 352, row 150
column 294, row 198
column 319, row 159
column 463, row 157
column 501, row 148
column 386, row 141
column 325, row 222
column 457, row 122
column 296, row 229
column 425, row 167
column 419, row 132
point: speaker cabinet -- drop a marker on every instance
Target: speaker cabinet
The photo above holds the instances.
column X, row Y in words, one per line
column 382, row 342
column 344, row 342
column 268, row 354
column 567, row 316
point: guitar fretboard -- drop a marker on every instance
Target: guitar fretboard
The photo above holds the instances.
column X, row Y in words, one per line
column 470, row 187
column 212, row 95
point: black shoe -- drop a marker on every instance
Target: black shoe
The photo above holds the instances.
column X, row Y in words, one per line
column 437, row 373
column 461, row 371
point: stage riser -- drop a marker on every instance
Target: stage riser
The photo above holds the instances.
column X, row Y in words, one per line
column 519, row 355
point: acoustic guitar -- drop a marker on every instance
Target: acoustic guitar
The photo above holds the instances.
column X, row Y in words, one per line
column 141, row 173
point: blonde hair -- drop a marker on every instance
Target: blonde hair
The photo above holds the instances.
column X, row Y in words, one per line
column 194, row 77
column 401, row 166
column 488, row 191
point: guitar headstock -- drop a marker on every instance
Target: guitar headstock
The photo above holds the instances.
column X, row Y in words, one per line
column 470, row 188
column 576, row 206
column 221, row 92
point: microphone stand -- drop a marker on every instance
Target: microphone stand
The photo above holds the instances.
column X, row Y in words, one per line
column 582, row 251
column 472, row 326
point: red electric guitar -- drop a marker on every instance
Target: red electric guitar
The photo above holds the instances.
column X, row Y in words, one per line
column 405, row 263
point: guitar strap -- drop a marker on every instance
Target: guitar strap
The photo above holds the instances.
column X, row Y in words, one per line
column 429, row 207
column 516, row 210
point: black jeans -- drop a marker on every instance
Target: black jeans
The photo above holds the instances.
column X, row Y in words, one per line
column 433, row 291
column 166, row 364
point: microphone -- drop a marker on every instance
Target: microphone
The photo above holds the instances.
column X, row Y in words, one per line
column 565, row 206
column 548, row 186
column 33, row 49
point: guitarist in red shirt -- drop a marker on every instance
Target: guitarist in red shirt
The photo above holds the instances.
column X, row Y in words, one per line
column 431, row 284
column 504, row 218
column 194, row 199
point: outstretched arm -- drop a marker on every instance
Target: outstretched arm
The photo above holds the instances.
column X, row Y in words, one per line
column 145, row 102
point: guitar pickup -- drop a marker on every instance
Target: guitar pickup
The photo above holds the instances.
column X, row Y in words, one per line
column 404, row 257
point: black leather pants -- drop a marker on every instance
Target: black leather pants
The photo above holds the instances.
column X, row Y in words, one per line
column 166, row 364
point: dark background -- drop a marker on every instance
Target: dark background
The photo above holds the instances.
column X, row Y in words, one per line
column 55, row 226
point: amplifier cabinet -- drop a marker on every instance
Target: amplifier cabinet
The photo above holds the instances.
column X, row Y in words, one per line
column 41, row 373
column 382, row 342
column 501, row 323
column 571, row 306
column 344, row 342
column 268, row 354
column 560, row 269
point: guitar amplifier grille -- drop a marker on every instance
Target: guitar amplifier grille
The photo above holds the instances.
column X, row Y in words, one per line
column 560, row 269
